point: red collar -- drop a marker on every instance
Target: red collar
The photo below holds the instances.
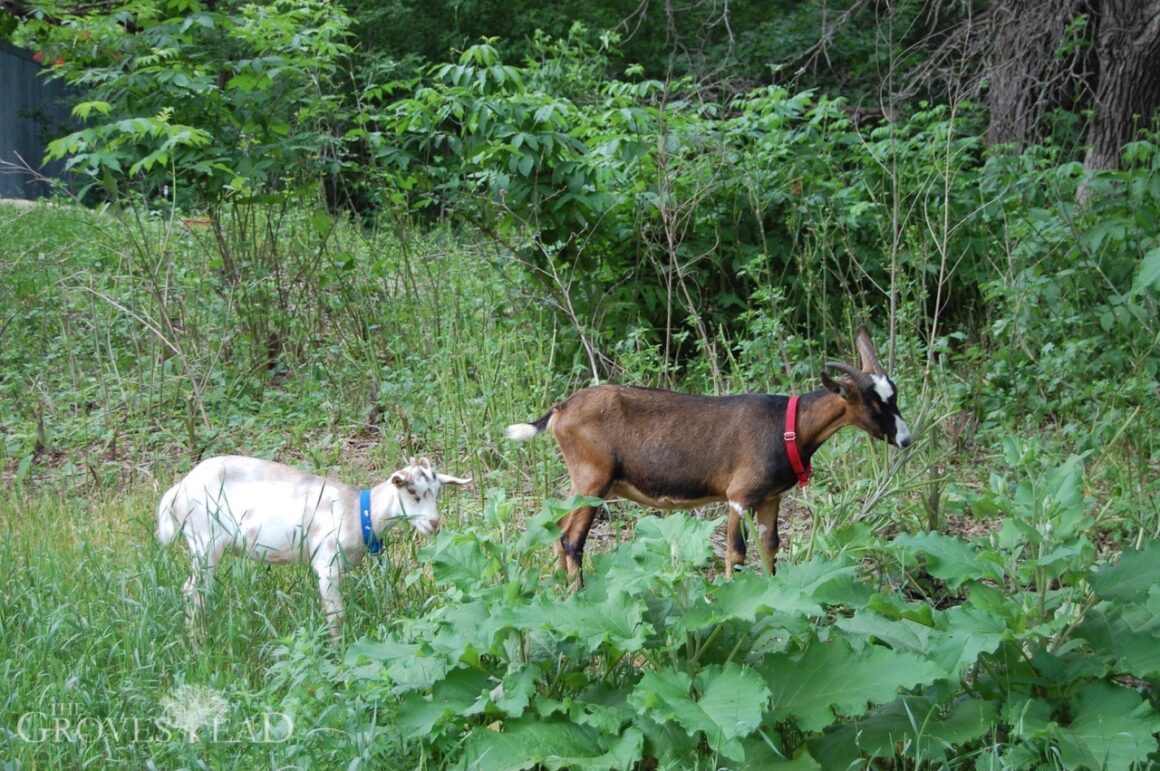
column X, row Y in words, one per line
column 791, row 447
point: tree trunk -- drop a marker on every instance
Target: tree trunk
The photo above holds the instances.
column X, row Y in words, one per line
column 1015, row 74
column 1027, row 73
column 1128, row 93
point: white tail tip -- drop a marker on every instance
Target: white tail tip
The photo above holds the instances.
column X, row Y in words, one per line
column 521, row 431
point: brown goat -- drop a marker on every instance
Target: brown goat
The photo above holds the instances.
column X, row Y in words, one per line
column 671, row 450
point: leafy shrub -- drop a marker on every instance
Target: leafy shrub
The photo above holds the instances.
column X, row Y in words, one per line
column 204, row 102
column 652, row 659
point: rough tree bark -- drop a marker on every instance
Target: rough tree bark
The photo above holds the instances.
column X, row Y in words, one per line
column 1026, row 58
column 1026, row 74
column 1128, row 92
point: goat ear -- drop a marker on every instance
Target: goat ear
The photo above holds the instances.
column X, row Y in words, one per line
column 866, row 350
column 400, row 478
column 425, row 462
column 844, row 387
column 447, row 479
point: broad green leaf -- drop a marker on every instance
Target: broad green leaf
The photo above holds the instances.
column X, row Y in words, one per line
column 417, row 674
column 385, row 651
column 463, row 692
column 825, row 580
column 894, row 606
column 1132, row 577
column 552, row 744
column 1142, row 614
column 682, row 538
column 949, row 559
column 1130, row 646
column 408, row 666
column 469, row 624
column 1029, row 718
column 733, row 697
column 913, row 722
column 459, row 558
column 1000, row 605
column 625, row 751
column 666, row 695
column 1132, row 652
column 964, row 634
column 462, row 689
column 617, row 621
column 745, row 596
column 832, row 679
column 542, row 529
column 762, row 752
column 1148, row 273
column 1113, row 729
column 1062, row 555
column 1063, row 670
column 632, row 567
column 730, row 703
column 419, row 714
column 668, row 740
column 515, row 693
column 953, row 641
column 603, row 707
column 1062, row 500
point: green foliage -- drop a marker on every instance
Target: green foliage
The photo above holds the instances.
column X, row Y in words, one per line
column 598, row 192
column 8, row 24
column 699, row 225
column 1084, row 267
column 830, row 680
column 216, row 101
column 640, row 206
column 673, row 666
column 841, row 46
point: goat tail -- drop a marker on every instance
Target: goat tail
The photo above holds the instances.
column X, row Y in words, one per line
column 520, row 432
column 167, row 524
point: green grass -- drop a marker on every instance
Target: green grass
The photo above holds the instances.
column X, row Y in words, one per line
column 94, row 629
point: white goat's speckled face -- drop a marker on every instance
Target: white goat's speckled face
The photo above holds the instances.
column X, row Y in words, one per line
column 418, row 491
column 419, row 487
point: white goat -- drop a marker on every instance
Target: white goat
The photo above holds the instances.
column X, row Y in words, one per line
column 276, row 513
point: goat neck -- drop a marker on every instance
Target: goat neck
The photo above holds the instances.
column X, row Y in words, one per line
column 821, row 414
column 385, row 509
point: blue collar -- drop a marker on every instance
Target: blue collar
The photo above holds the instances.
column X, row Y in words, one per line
column 373, row 544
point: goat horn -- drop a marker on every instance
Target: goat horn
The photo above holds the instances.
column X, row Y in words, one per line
column 855, row 374
column 866, row 350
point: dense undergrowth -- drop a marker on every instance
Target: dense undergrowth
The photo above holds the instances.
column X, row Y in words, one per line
column 983, row 599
